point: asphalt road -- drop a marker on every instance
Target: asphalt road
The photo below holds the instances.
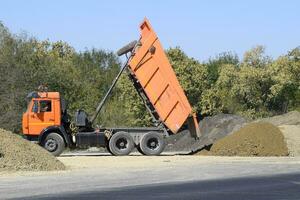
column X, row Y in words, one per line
column 285, row 186
column 159, row 177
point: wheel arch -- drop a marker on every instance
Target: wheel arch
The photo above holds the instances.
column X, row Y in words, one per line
column 57, row 129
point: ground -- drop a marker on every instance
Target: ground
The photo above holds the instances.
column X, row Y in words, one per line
column 88, row 173
column 292, row 138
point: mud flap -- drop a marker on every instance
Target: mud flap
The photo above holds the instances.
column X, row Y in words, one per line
column 193, row 126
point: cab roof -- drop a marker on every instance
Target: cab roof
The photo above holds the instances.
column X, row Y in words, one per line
column 51, row 95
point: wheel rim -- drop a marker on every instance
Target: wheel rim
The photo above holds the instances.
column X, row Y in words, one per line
column 51, row 145
column 153, row 143
column 122, row 144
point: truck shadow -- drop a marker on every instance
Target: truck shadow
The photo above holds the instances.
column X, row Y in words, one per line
column 133, row 154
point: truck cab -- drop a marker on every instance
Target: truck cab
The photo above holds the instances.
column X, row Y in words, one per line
column 44, row 117
column 44, row 110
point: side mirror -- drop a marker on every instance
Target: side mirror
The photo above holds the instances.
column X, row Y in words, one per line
column 35, row 107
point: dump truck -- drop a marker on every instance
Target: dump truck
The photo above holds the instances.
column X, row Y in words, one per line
column 47, row 122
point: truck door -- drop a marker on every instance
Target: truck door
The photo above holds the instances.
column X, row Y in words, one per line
column 41, row 116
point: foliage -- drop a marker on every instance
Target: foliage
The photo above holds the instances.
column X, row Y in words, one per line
column 25, row 63
column 192, row 75
column 214, row 65
column 257, row 87
column 254, row 87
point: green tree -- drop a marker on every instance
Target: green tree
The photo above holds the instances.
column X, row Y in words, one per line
column 26, row 63
column 256, row 86
column 214, row 65
column 192, row 75
column 286, row 88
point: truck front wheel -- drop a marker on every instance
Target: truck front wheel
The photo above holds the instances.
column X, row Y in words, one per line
column 120, row 144
column 54, row 143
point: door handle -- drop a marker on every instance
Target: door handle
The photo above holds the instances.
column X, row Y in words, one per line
column 51, row 120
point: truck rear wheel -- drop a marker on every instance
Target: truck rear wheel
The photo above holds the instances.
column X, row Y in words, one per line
column 120, row 144
column 152, row 144
column 54, row 143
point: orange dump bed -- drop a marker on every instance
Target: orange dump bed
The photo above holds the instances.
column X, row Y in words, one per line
column 152, row 69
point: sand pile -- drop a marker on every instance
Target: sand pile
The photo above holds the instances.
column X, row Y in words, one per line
column 214, row 128
column 292, row 137
column 19, row 154
column 254, row 139
column 289, row 124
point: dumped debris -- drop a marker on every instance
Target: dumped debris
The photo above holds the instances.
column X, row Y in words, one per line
column 212, row 129
column 254, row 139
column 19, row 154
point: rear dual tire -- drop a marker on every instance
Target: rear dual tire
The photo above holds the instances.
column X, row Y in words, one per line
column 120, row 144
column 152, row 144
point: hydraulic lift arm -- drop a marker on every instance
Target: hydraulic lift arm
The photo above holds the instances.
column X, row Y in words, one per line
column 128, row 48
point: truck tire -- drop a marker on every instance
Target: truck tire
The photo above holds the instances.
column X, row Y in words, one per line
column 138, row 148
column 54, row 143
column 120, row 144
column 152, row 144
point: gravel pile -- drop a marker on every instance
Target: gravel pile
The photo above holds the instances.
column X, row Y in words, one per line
column 292, row 137
column 254, row 139
column 249, row 139
column 289, row 124
column 17, row 153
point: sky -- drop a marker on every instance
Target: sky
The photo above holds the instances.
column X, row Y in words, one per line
column 203, row 29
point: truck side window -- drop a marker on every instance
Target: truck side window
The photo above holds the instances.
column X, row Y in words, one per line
column 45, row 106
column 35, row 106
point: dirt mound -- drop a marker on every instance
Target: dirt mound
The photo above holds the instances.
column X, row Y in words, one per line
column 19, row 154
column 292, row 137
column 291, row 118
column 212, row 129
column 254, row 139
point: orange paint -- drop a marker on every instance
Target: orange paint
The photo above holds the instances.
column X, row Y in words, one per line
column 34, row 123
